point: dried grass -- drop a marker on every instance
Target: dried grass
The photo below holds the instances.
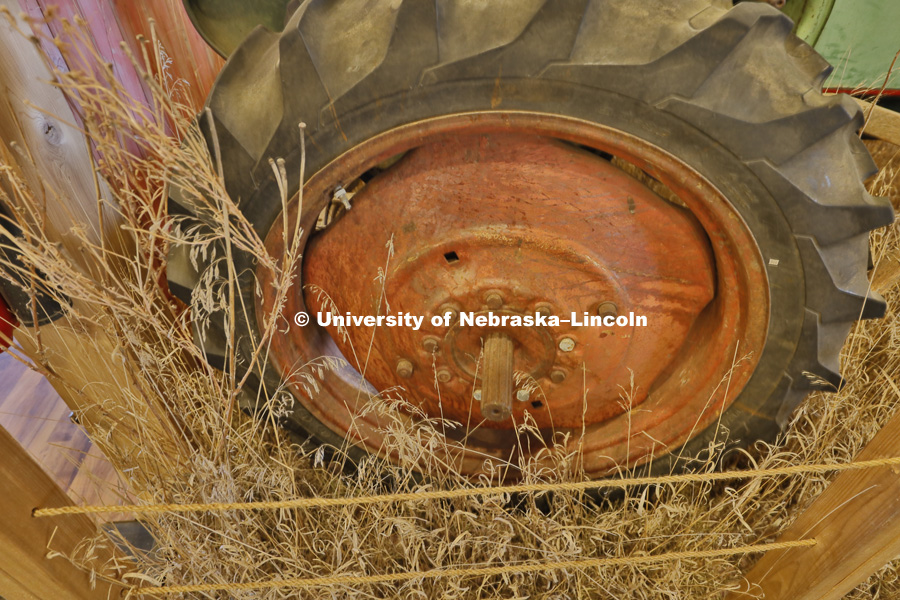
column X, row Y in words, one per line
column 195, row 446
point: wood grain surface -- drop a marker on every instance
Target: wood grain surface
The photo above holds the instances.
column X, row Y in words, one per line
column 38, row 126
column 26, row 570
column 35, row 415
column 856, row 522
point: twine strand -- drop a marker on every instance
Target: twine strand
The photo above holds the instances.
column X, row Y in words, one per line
column 303, row 503
column 308, row 582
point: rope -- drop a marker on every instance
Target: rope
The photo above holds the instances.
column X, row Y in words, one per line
column 298, row 503
column 308, row 582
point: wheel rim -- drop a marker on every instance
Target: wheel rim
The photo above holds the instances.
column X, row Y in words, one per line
column 708, row 332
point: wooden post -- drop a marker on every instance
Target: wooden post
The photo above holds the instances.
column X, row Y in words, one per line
column 52, row 155
column 883, row 124
column 25, row 570
column 856, row 523
column 192, row 60
column 33, row 115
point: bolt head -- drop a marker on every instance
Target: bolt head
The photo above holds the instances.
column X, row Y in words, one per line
column 431, row 345
column 451, row 310
column 558, row 376
column 444, row 375
column 608, row 309
column 567, row 344
column 493, row 300
column 404, row 368
column 543, row 309
column 523, row 395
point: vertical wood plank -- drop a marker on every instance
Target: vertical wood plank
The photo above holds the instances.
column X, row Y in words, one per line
column 856, row 522
column 192, row 60
column 882, row 123
column 56, row 164
column 35, row 415
column 52, row 155
column 25, row 571
column 104, row 31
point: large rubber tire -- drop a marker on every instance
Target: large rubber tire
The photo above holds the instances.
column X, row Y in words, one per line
column 728, row 90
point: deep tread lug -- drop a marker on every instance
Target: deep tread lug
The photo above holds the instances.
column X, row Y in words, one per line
column 776, row 141
column 605, row 35
column 678, row 73
column 826, row 223
column 837, row 273
column 813, row 64
column 412, row 49
column 865, row 164
column 816, row 363
column 345, row 56
column 253, row 72
column 548, row 37
column 236, row 164
column 469, row 29
column 789, row 402
column 182, row 276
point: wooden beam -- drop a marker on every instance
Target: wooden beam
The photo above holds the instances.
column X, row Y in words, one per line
column 883, row 124
column 25, row 571
column 101, row 28
column 856, row 522
column 193, row 61
column 53, row 156
column 55, row 163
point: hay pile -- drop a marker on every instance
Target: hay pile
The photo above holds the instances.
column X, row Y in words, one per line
column 193, row 445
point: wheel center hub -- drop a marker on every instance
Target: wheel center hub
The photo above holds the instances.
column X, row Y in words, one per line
column 517, row 236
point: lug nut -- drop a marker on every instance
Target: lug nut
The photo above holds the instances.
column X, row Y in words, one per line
column 451, row 310
column 543, row 309
column 444, row 375
column 523, row 395
column 567, row 344
column 493, row 300
column 431, row 345
column 558, row 376
column 404, row 368
column 608, row 309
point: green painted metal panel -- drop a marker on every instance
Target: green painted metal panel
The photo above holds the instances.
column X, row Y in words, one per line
column 810, row 17
column 861, row 38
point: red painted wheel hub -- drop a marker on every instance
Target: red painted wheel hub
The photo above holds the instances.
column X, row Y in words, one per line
column 489, row 214
column 514, row 225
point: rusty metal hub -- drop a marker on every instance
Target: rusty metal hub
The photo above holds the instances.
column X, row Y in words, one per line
column 504, row 226
column 507, row 214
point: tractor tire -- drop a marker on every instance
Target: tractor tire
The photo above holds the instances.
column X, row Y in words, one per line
column 728, row 91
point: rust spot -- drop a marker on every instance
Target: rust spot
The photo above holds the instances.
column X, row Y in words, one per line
column 337, row 122
column 497, row 94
